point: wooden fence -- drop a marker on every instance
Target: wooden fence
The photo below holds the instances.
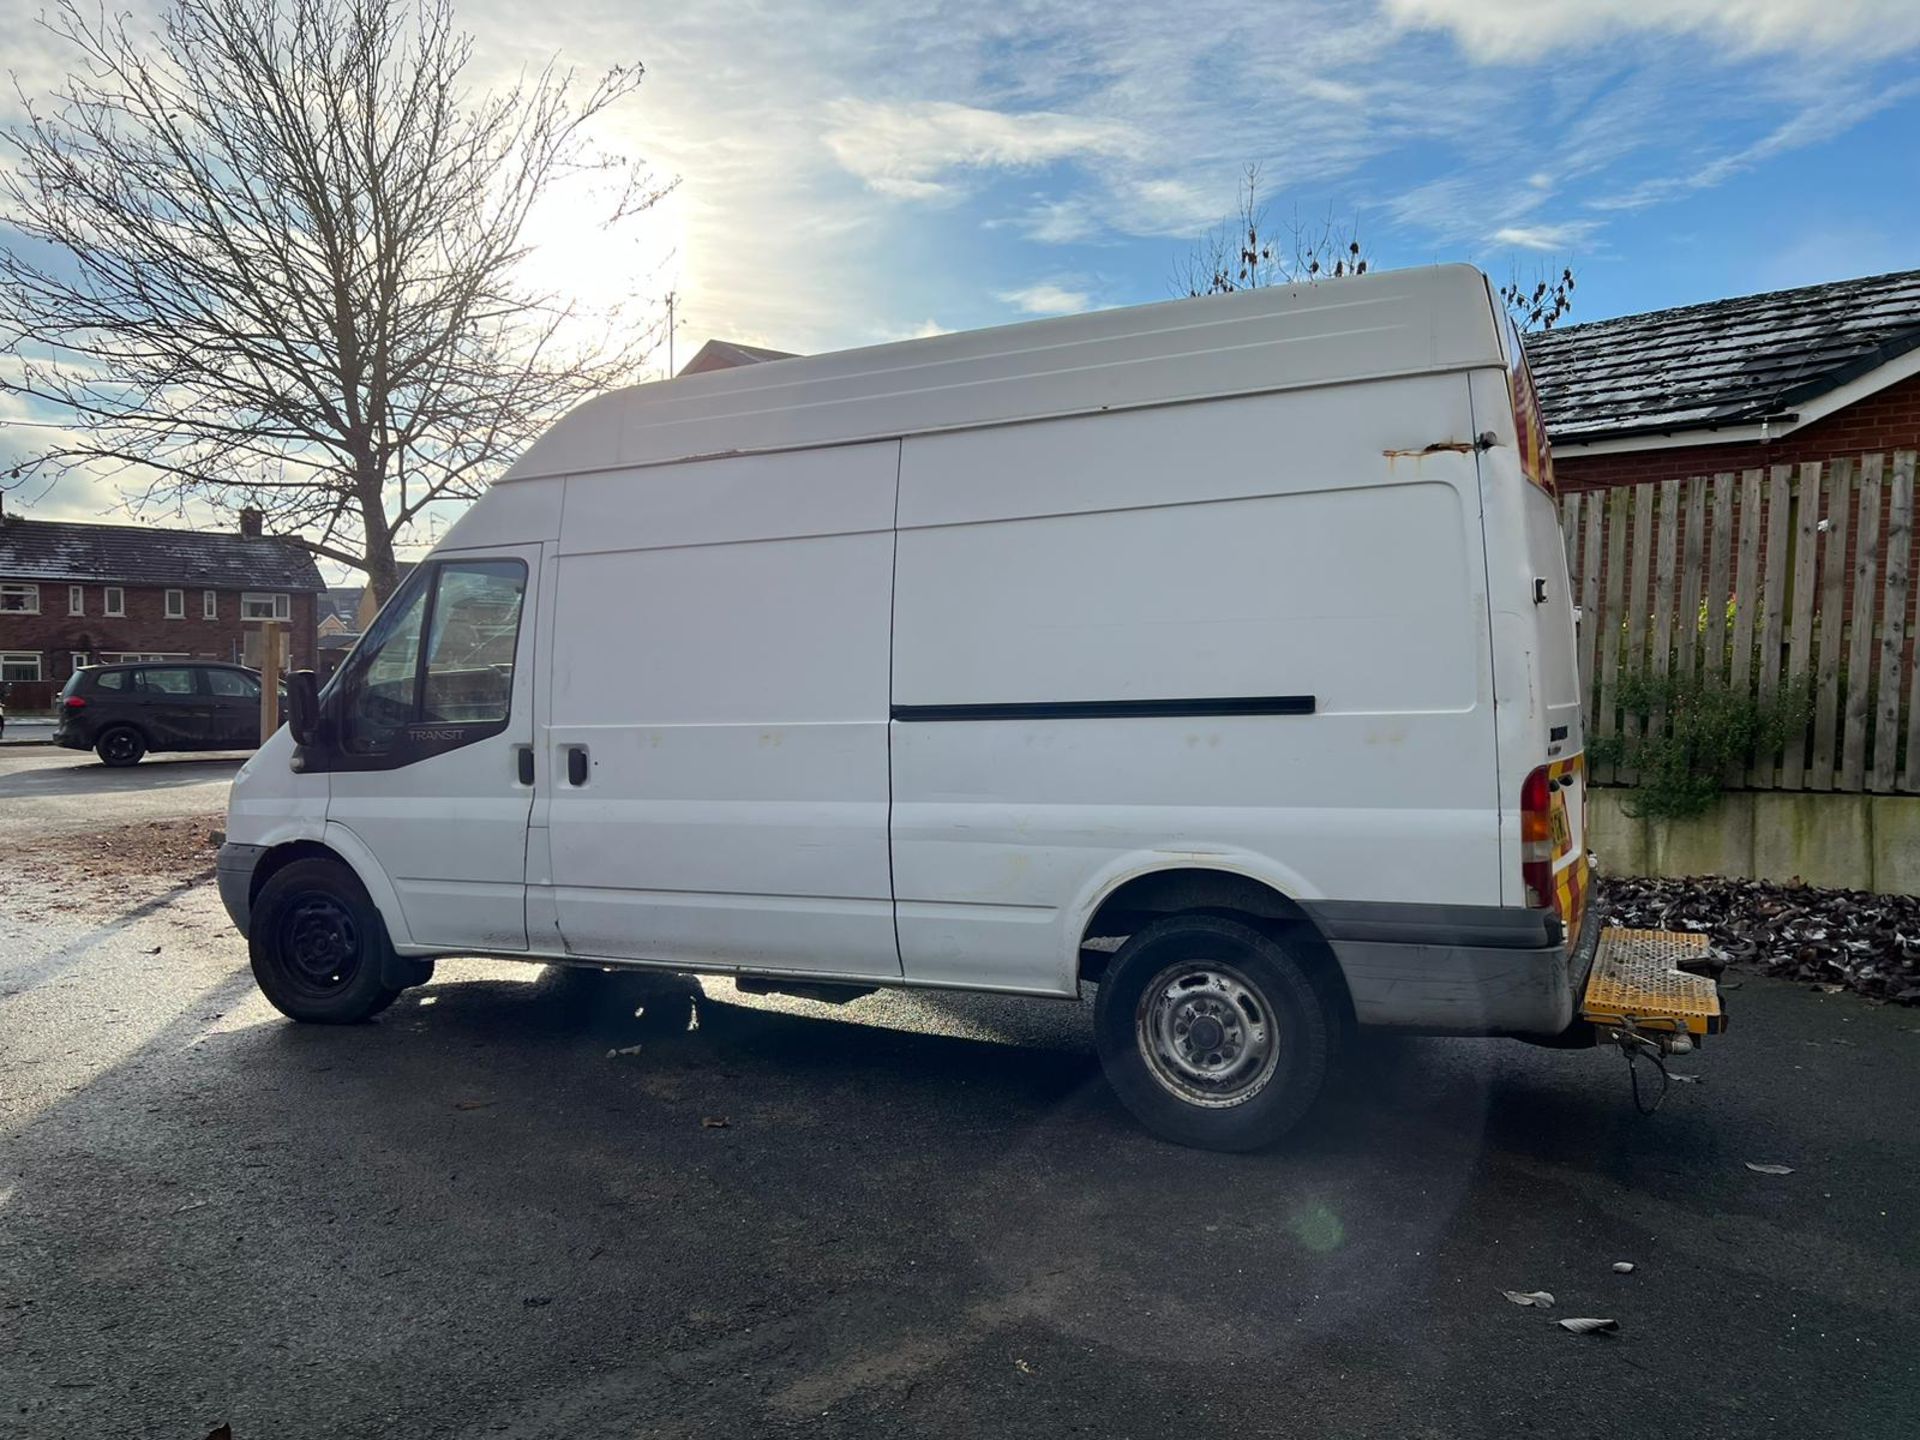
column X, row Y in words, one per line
column 1765, row 581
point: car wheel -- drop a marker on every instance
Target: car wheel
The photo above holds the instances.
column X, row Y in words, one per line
column 1211, row 1033
column 122, row 745
column 318, row 945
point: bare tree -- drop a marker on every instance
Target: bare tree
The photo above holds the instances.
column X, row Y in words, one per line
column 273, row 255
column 1243, row 252
column 1543, row 304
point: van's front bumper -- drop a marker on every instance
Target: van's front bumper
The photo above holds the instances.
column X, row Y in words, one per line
column 1459, row 969
column 234, row 871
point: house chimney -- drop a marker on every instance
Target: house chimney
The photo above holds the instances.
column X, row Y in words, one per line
column 250, row 519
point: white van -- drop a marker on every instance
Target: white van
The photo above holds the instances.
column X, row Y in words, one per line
column 1234, row 629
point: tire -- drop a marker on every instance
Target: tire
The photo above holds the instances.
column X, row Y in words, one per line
column 120, row 746
column 318, row 945
column 1212, row 1034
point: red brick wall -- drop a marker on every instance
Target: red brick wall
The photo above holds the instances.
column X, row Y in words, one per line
column 1889, row 420
column 145, row 627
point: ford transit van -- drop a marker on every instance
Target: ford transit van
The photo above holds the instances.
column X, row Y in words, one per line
column 1217, row 653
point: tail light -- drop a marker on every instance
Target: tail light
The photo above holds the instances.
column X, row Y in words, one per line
column 76, row 702
column 1536, row 839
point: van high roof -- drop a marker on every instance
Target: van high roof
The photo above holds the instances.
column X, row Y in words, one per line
column 1375, row 326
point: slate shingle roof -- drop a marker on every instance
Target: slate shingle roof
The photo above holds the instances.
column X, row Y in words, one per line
column 139, row 555
column 1728, row 362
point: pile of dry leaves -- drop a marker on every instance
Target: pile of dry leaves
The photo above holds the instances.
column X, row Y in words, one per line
column 123, row 862
column 1844, row 938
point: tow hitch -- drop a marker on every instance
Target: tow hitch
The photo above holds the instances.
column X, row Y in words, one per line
column 1643, row 998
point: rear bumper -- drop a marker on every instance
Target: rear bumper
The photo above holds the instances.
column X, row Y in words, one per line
column 234, row 871
column 1459, row 970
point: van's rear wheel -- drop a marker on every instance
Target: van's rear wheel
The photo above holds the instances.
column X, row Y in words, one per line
column 1211, row 1033
column 318, row 945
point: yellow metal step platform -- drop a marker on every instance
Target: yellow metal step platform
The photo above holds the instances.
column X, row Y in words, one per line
column 1637, row 983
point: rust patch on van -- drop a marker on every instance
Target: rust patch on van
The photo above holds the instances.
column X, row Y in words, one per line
column 1438, row 447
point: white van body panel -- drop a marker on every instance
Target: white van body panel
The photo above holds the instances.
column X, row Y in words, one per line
column 1407, row 322
column 736, row 807
column 1322, row 567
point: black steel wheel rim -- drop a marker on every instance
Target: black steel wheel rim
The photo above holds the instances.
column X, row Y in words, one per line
column 121, row 745
column 320, row 943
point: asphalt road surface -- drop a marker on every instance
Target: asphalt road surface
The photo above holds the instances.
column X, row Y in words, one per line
column 485, row 1214
column 45, row 790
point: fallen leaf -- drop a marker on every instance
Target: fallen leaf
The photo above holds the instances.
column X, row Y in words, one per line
column 713, row 1122
column 154, row 951
column 1541, row 1299
column 473, row 1104
column 1759, row 1169
column 624, row 1050
column 1679, row 1079
column 1623, row 1267
column 1023, row 1367
column 1587, row 1325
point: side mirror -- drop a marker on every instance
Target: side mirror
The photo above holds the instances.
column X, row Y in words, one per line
column 303, row 707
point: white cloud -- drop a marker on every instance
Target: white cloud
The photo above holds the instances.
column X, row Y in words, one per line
column 1525, row 30
column 912, row 152
column 1560, row 235
column 925, row 330
column 1047, row 298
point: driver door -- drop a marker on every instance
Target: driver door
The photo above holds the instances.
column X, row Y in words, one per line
column 428, row 734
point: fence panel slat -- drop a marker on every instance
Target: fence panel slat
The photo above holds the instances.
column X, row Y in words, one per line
column 1774, row 604
column 1686, row 619
column 1831, row 626
column 1607, row 632
column 1570, row 509
column 1634, row 661
column 1746, row 601
column 1859, row 687
column 1590, row 613
column 1720, row 539
column 1893, row 626
column 1655, row 661
column 1806, row 575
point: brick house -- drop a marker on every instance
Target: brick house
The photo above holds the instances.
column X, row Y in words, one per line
column 73, row 594
column 1809, row 374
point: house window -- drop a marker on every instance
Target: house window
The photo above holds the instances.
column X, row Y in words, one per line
column 176, row 604
column 19, row 664
column 78, row 659
column 20, row 600
column 134, row 657
column 209, row 604
column 76, row 599
column 257, row 605
column 116, row 599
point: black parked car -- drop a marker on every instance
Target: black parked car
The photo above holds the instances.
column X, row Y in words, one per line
column 120, row 712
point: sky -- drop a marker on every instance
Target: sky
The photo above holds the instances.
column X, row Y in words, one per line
column 850, row 173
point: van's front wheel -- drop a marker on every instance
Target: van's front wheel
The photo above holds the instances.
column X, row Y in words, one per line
column 318, row 945
column 1211, row 1033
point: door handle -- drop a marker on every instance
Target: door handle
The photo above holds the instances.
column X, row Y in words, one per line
column 523, row 758
column 576, row 764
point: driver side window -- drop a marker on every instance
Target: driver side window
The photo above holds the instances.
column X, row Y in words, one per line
column 377, row 690
column 468, row 612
